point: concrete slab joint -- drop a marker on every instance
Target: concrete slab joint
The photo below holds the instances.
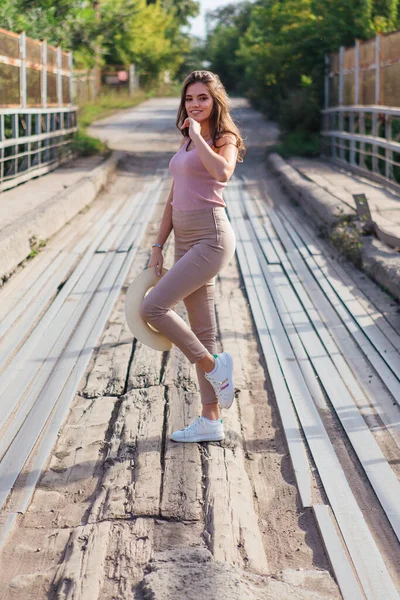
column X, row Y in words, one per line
column 44, row 221
column 330, row 215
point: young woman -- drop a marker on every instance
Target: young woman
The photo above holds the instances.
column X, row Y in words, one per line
column 204, row 245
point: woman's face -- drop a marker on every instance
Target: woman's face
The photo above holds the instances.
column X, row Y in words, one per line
column 198, row 101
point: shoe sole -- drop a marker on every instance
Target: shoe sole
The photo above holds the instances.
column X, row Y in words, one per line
column 204, row 438
column 225, row 404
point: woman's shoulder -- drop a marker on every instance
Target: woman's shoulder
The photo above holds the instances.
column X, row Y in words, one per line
column 225, row 138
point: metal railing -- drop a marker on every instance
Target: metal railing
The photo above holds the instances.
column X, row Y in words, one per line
column 37, row 115
column 361, row 118
column 33, row 141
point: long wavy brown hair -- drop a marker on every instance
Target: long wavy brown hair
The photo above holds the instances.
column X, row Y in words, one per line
column 221, row 121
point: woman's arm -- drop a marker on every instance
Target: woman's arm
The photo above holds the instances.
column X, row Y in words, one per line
column 166, row 221
column 222, row 164
column 157, row 259
column 219, row 164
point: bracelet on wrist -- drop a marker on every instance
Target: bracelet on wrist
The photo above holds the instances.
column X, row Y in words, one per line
column 157, row 246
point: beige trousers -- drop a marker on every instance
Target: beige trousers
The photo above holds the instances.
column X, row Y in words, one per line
column 204, row 244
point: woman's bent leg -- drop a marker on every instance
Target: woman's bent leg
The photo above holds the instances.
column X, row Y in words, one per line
column 197, row 267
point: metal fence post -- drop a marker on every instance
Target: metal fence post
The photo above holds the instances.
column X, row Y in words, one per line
column 377, row 69
column 357, row 73
column 15, row 135
column 375, row 122
column 71, row 88
column 22, row 46
column 326, row 81
column 388, row 153
column 341, row 75
column 2, row 152
column 355, row 100
column 326, row 117
column 131, row 79
column 59, row 77
column 361, row 115
column 341, row 94
column 44, row 73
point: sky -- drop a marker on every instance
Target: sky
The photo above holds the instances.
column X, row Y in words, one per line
column 198, row 24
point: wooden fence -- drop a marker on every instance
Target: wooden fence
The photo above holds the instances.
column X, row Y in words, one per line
column 361, row 118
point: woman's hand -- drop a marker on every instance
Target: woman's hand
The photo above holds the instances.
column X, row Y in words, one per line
column 156, row 260
column 194, row 127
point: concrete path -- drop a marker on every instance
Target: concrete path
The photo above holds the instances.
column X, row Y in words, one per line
column 384, row 204
column 29, row 196
column 33, row 212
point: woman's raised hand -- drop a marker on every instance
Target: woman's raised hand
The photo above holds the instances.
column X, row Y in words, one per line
column 194, row 127
column 156, row 260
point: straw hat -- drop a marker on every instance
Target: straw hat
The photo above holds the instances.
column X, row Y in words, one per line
column 134, row 296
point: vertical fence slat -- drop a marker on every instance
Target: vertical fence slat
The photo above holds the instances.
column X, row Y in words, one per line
column 131, row 79
column 70, row 66
column 29, row 133
column 352, row 142
column 15, row 134
column 326, row 117
column 375, row 126
column 59, row 77
column 38, row 144
column 44, row 74
column 22, row 46
column 341, row 75
column 341, row 93
column 388, row 153
column 361, row 126
column 2, row 137
column 326, row 81
column 357, row 73
column 375, row 122
column 377, row 69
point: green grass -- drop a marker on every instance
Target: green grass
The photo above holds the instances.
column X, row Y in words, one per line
column 298, row 144
column 106, row 104
column 346, row 236
column 36, row 245
column 86, row 145
column 165, row 89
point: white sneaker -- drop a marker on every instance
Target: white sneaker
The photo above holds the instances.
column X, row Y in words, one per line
column 200, row 430
column 221, row 378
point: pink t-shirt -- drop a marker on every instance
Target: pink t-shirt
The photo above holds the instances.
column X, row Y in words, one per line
column 194, row 187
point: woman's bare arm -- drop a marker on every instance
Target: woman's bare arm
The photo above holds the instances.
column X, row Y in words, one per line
column 166, row 221
column 220, row 164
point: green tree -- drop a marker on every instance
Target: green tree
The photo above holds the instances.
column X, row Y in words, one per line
column 273, row 50
column 147, row 34
column 181, row 10
column 227, row 25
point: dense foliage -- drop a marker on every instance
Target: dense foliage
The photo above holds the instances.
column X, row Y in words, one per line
column 273, row 50
column 147, row 33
